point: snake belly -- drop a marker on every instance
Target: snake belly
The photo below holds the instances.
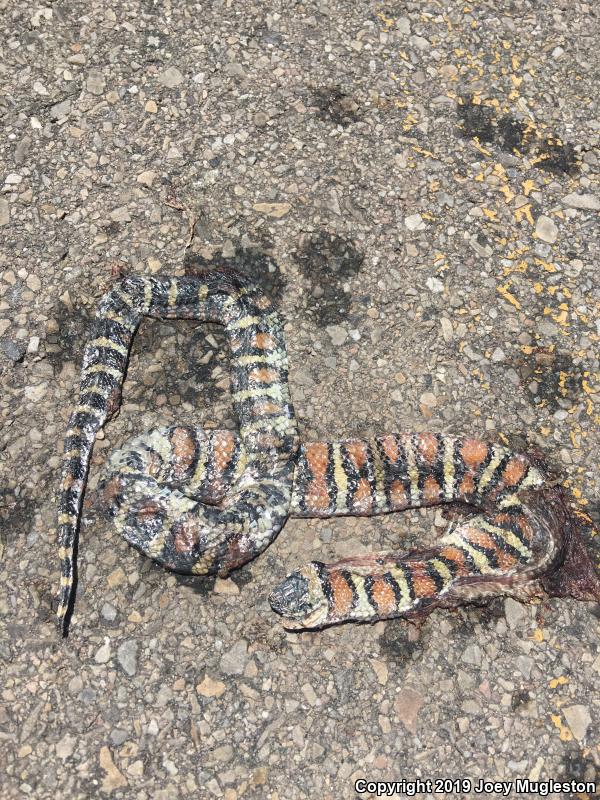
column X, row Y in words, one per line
column 222, row 537
column 500, row 548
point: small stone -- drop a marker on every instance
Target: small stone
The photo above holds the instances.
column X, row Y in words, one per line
column 589, row 202
column 109, row 612
column 380, row 669
column 171, row 77
column 39, row 88
column 116, row 578
column 447, row 331
column 235, row 70
column 170, row 766
column 403, row 25
column 434, row 285
column 118, row 736
column 36, row 393
column 259, row 776
column 420, row 42
column 222, row 754
column 120, row 214
column 235, row 659
column 4, row 212
column 498, row 355
column 428, row 399
column 337, row 334
column 260, row 119
column 276, row 210
column 414, row 222
column 33, row 283
column 13, row 179
column 127, row 656
column 514, row 612
column 14, row 351
column 147, row 177
column 113, row 778
column 226, row 587
column 95, row 82
column 310, row 694
column 407, row 705
column 524, row 665
column 34, row 344
column 102, row 655
column 578, row 719
column 210, row 688
column 66, row 746
column 472, row 655
column 60, row 110
column 151, row 107
column 546, row 230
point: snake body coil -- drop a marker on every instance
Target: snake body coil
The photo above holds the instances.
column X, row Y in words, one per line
column 205, row 502
column 257, row 507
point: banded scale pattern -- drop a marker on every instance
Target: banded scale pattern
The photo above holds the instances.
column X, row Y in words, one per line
column 256, row 508
column 491, row 551
column 202, row 502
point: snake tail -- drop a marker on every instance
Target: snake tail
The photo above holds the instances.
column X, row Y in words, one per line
column 223, row 537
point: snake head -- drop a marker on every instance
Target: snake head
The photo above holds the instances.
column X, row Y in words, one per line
column 300, row 599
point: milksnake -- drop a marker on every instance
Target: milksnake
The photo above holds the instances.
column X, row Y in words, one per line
column 205, row 502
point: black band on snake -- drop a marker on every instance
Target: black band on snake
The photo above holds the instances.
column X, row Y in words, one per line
column 204, row 502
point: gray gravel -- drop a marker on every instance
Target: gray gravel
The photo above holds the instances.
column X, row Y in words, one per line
column 417, row 185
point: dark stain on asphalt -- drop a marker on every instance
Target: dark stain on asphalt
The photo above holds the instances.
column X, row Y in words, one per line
column 68, row 343
column 557, row 157
column 511, row 134
column 549, row 153
column 477, row 121
column 334, row 105
column 328, row 261
column 549, row 377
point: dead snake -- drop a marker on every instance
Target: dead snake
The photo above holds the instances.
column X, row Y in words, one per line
column 204, row 502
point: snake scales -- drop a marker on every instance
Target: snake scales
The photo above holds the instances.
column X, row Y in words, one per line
column 204, row 502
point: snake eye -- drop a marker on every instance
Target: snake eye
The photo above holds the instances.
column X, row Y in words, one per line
column 291, row 598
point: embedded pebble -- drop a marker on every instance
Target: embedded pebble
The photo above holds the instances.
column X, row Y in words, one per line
column 235, row 659
column 66, row 746
column 514, row 612
column 589, row 202
column 127, row 656
column 546, row 229
column 579, row 719
column 95, row 82
column 210, row 688
column 337, row 334
column 109, row 612
column 147, row 177
column 171, row 77
column 102, row 654
column 414, row 222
